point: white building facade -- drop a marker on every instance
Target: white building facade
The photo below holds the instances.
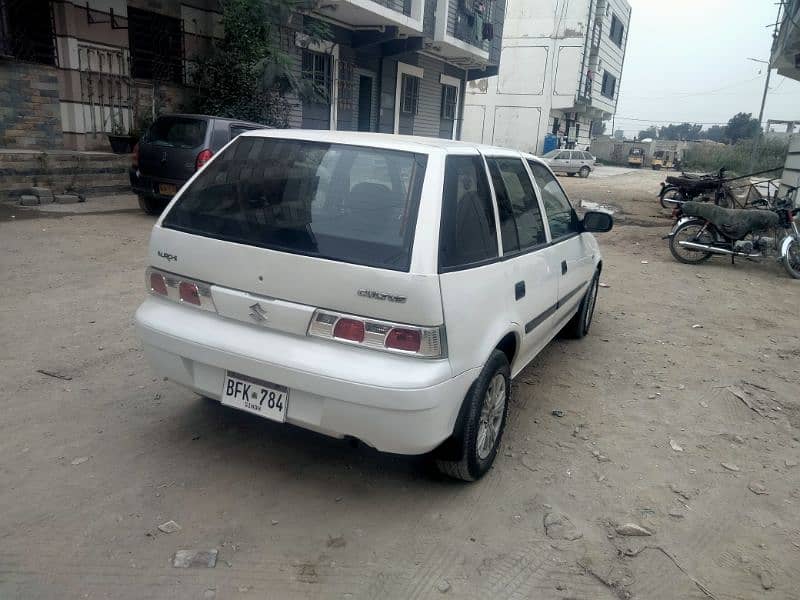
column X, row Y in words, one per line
column 560, row 71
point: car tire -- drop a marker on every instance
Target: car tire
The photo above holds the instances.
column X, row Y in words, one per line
column 578, row 326
column 151, row 206
column 584, row 172
column 481, row 423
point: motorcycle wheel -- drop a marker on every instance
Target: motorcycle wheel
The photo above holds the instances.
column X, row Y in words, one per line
column 670, row 194
column 791, row 260
column 689, row 232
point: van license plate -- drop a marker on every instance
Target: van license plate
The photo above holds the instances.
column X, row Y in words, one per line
column 253, row 395
column 167, row 189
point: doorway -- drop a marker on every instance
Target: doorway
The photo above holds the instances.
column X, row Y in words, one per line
column 364, row 103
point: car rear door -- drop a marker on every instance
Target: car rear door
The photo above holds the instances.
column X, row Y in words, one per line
column 575, row 257
column 169, row 150
column 530, row 274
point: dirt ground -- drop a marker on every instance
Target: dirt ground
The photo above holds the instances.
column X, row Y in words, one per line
column 681, row 414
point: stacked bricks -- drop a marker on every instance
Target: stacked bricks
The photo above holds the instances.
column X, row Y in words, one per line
column 30, row 114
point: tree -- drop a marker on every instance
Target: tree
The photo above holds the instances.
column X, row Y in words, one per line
column 742, row 126
column 248, row 72
column 715, row 133
column 684, row 131
column 650, row 132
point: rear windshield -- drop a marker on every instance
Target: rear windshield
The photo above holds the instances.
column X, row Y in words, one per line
column 177, row 132
column 347, row 203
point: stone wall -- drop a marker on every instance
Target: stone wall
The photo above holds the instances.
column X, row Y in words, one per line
column 30, row 114
column 85, row 173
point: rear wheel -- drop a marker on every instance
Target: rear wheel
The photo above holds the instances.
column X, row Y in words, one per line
column 482, row 422
column 791, row 260
column 696, row 231
column 150, row 205
column 584, row 172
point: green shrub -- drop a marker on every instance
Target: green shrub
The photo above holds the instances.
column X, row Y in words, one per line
column 771, row 153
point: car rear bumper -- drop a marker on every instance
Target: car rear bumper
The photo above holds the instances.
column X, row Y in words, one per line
column 396, row 404
column 144, row 185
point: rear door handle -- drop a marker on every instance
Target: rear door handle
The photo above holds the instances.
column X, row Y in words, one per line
column 564, row 267
column 519, row 290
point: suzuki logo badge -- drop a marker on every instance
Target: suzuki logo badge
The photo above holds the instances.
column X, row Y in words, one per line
column 258, row 314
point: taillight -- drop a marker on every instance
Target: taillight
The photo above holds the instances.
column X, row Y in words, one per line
column 408, row 340
column 203, row 158
column 158, row 285
column 188, row 292
column 135, row 156
column 426, row 342
column 180, row 289
column 349, row 329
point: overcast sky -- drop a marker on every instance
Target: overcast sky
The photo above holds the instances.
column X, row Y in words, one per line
column 686, row 60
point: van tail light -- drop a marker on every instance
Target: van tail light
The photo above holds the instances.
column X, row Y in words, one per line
column 408, row 340
column 135, row 156
column 158, row 285
column 424, row 342
column 349, row 329
column 180, row 289
column 202, row 158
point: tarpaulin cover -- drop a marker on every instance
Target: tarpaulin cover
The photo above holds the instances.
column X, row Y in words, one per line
column 735, row 224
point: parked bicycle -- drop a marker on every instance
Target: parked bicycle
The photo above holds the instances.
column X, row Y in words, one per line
column 704, row 230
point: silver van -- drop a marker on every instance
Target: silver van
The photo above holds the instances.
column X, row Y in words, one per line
column 570, row 162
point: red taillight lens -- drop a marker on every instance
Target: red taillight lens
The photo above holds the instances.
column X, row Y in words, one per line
column 189, row 293
column 158, row 284
column 349, row 329
column 203, row 158
column 135, row 156
column 404, row 339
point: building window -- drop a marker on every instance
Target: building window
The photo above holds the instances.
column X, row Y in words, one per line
column 317, row 71
column 26, row 31
column 449, row 101
column 346, row 85
column 409, row 95
column 617, row 30
column 609, row 85
column 156, row 43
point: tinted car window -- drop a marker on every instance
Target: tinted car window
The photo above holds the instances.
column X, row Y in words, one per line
column 468, row 234
column 296, row 196
column 560, row 216
column 177, row 132
column 521, row 224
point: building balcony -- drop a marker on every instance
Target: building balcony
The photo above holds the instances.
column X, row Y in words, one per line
column 786, row 49
column 406, row 15
column 464, row 36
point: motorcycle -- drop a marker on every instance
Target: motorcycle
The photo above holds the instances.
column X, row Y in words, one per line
column 686, row 187
column 703, row 230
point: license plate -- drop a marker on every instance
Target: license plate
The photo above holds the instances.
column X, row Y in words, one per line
column 167, row 189
column 262, row 398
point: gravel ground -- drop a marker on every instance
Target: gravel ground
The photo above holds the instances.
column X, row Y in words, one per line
column 680, row 416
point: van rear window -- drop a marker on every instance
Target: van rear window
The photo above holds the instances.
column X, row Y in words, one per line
column 177, row 132
column 347, row 203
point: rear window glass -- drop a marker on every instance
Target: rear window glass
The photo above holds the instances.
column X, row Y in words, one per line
column 347, row 203
column 177, row 132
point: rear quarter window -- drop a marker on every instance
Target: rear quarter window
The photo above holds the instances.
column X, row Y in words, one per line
column 346, row 203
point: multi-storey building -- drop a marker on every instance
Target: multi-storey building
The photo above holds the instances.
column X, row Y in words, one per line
column 72, row 71
column 561, row 71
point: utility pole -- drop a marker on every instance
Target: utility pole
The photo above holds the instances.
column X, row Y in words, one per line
column 759, row 134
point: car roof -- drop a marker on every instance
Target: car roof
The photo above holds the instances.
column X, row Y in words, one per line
column 390, row 141
column 198, row 116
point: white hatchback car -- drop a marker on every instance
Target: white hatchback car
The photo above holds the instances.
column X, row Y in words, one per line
column 371, row 286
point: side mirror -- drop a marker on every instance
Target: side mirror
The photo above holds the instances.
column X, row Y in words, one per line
column 597, row 221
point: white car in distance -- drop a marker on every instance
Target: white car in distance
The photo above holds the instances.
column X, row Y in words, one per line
column 379, row 287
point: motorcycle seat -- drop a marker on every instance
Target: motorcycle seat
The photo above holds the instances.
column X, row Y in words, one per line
column 733, row 223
